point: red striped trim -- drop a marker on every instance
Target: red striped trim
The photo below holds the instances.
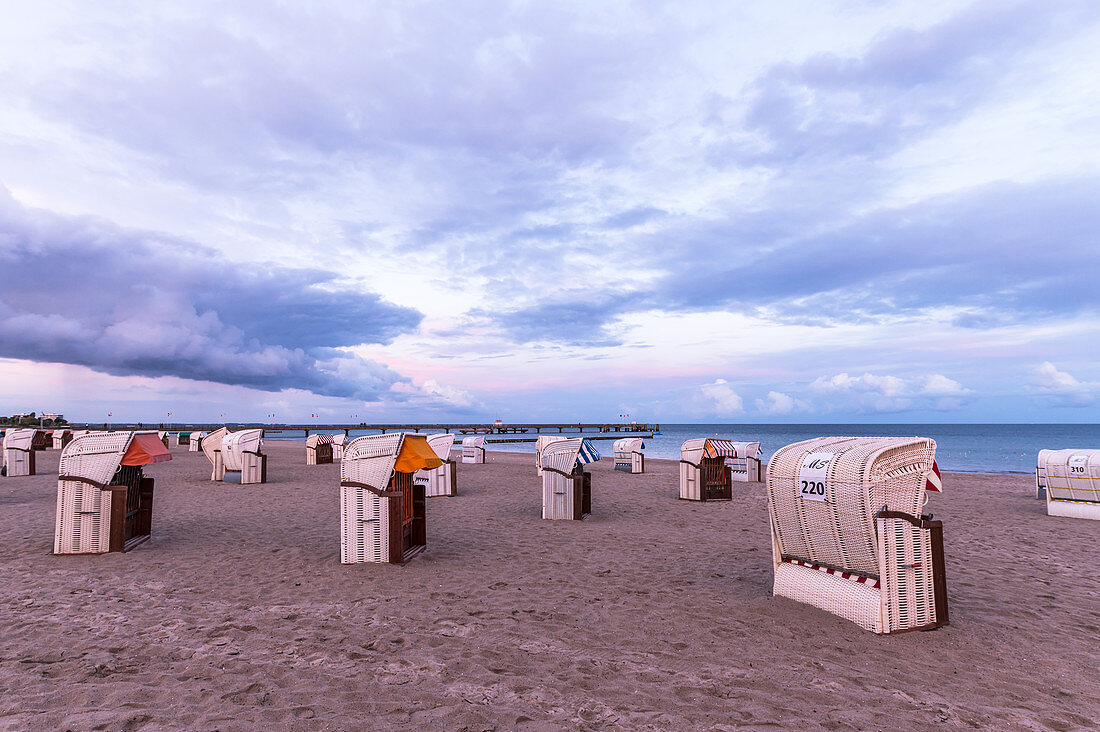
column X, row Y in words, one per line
column 829, row 570
column 934, row 482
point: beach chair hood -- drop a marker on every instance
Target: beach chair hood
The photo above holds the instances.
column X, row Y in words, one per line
column 562, row 455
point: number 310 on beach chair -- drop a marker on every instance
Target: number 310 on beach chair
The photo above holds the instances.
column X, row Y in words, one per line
column 848, row 535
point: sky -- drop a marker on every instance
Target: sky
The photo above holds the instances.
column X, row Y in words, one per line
column 741, row 212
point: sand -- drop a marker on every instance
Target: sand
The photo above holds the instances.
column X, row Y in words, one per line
column 652, row 613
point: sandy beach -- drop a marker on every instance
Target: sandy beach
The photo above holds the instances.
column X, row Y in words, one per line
column 652, row 613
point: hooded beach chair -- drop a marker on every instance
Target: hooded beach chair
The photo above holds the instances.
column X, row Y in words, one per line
column 540, row 444
column 194, row 443
column 1069, row 480
column 628, row 455
column 319, row 450
column 104, row 501
column 19, row 452
column 183, row 439
column 441, row 481
column 212, row 448
column 41, row 441
column 566, row 486
column 848, row 535
column 338, row 443
column 473, row 449
column 704, row 475
column 745, row 468
column 241, row 456
column 61, row 438
column 382, row 509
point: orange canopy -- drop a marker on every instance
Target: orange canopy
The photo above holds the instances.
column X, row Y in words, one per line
column 416, row 454
column 146, row 448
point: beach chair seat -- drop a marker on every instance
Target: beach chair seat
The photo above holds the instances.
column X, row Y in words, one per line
column 848, row 535
column 319, row 450
column 1069, row 480
column 382, row 509
column 745, row 468
column 628, row 455
column 473, row 449
column 104, row 500
column 19, row 458
column 441, row 481
column 704, row 475
column 566, row 486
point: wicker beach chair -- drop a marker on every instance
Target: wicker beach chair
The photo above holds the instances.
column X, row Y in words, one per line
column 628, row 455
column 61, row 438
column 1069, row 480
column 319, row 450
column 41, row 441
column 541, row 443
column 382, row 509
column 194, row 443
column 104, row 501
column 848, row 535
column 338, row 443
column 566, row 486
column 19, row 458
column 212, row 447
column 244, row 463
column 745, row 468
column 703, row 472
column 473, row 449
column 441, row 481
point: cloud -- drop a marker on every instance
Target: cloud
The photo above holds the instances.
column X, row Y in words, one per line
column 84, row 291
column 777, row 403
column 1064, row 387
column 886, row 393
column 940, row 385
column 717, row 399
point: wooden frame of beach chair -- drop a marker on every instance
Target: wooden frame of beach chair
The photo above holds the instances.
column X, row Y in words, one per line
column 704, row 475
column 1070, row 481
column 745, row 468
column 541, row 443
column 212, row 447
column 628, row 455
column 319, row 450
column 473, row 449
column 441, row 481
column 848, row 535
column 241, row 457
column 338, row 443
column 104, row 500
column 566, row 486
column 183, row 439
column 41, row 441
column 383, row 516
column 194, row 441
column 19, row 458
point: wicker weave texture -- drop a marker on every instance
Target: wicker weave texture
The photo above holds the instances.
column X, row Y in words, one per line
column 83, row 519
column 473, row 449
column 1071, row 475
column 839, row 528
column 541, row 443
column 17, row 446
column 860, row 603
column 237, row 445
column 437, row 481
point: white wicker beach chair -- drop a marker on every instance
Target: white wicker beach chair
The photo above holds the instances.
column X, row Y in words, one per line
column 244, row 463
column 195, row 444
column 1070, row 482
column 541, row 443
column 382, row 509
column 566, row 486
column 745, row 468
column 61, row 438
column 473, row 449
column 848, row 535
column 628, row 455
column 319, row 450
column 104, row 501
column 338, row 443
column 212, row 448
column 704, row 475
column 441, row 481
column 19, row 452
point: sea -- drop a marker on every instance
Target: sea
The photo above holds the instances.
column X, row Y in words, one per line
column 960, row 448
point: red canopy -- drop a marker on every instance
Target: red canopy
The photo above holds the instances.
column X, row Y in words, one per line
column 146, row 448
